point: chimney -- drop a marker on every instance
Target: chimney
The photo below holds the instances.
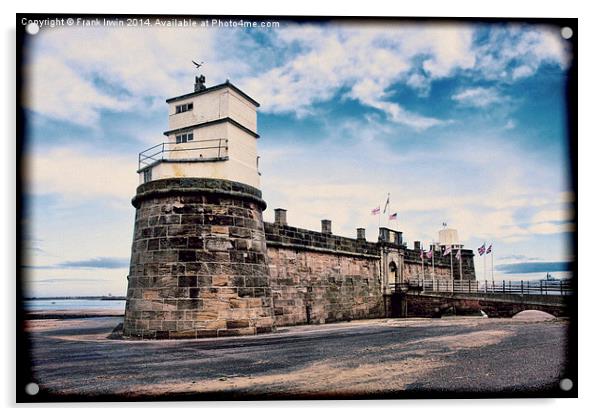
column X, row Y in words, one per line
column 280, row 216
column 417, row 245
column 326, row 227
column 199, row 83
column 361, row 234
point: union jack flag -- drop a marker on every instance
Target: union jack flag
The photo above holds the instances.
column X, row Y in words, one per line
column 376, row 211
column 489, row 249
column 447, row 251
column 482, row 250
column 393, row 216
column 421, row 254
column 429, row 254
column 459, row 254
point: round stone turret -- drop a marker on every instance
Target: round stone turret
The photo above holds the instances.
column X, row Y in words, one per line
column 198, row 265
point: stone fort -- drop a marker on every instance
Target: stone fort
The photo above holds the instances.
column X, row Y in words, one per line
column 205, row 264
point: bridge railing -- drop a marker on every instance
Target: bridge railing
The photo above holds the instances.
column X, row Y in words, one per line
column 522, row 287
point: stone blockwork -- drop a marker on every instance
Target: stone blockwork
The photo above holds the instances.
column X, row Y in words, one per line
column 319, row 278
column 198, row 265
column 413, row 265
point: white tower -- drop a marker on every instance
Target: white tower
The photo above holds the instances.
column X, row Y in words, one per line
column 212, row 134
column 449, row 237
column 199, row 256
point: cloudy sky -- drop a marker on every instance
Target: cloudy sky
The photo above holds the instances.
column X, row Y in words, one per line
column 462, row 123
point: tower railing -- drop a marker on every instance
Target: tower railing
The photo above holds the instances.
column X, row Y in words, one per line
column 196, row 150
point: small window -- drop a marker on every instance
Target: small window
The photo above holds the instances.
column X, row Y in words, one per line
column 184, row 137
column 183, row 108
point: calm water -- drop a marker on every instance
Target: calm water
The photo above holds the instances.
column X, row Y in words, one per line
column 66, row 304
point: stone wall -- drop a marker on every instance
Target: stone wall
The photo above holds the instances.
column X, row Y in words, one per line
column 413, row 265
column 320, row 278
column 495, row 306
column 198, row 265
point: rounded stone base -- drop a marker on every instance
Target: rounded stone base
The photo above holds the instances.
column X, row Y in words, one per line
column 198, row 265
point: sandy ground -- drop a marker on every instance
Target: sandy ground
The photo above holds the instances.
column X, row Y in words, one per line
column 73, row 359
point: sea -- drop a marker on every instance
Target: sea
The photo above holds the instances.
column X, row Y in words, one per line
column 72, row 304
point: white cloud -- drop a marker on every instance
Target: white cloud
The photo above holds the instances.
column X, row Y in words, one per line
column 113, row 69
column 556, row 215
column 517, row 51
column 426, row 186
column 58, row 92
column 74, row 73
column 75, row 173
column 510, row 124
column 364, row 60
column 478, row 97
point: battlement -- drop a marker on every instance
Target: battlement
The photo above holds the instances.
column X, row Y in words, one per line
column 278, row 235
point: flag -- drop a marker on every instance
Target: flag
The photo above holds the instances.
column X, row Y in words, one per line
column 489, row 249
column 386, row 204
column 448, row 250
column 421, row 254
column 376, row 211
column 429, row 254
column 393, row 216
column 459, row 254
column 482, row 250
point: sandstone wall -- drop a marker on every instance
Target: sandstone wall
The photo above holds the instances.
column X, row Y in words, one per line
column 198, row 265
column 320, row 278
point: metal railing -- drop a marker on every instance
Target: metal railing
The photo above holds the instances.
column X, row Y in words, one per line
column 217, row 148
column 522, row 287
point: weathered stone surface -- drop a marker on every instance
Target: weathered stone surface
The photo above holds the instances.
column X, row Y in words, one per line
column 312, row 287
column 189, row 258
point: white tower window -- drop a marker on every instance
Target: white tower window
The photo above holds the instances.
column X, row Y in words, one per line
column 183, row 108
column 184, row 137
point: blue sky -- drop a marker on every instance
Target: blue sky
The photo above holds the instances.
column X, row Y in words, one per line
column 461, row 123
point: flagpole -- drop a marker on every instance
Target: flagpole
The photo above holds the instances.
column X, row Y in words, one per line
column 433, row 257
column 451, row 263
column 389, row 216
column 485, row 267
column 492, row 278
column 460, row 263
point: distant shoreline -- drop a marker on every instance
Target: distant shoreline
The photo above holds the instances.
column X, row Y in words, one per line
column 77, row 298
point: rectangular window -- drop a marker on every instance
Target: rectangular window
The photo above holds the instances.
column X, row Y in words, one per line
column 148, row 176
column 184, row 137
column 183, row 108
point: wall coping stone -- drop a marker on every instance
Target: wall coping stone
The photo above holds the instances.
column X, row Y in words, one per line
column 178, row 186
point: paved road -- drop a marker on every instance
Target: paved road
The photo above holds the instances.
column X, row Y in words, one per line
column 74, row 359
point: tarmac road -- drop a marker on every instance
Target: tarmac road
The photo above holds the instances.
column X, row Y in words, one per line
column 72, row 359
